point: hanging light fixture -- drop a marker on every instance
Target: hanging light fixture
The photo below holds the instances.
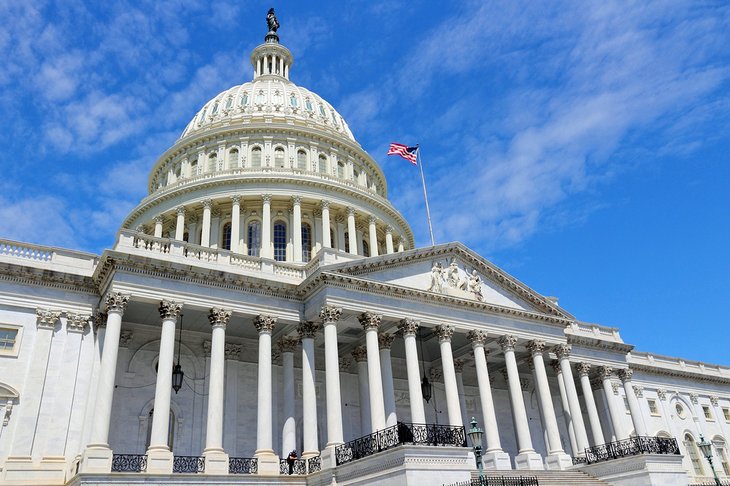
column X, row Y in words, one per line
column 426, row 388
column 177, row 372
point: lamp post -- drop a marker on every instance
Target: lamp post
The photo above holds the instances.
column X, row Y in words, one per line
column 475, row 434
column 706, row 448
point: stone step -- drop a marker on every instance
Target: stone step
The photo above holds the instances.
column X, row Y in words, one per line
column 550, row 478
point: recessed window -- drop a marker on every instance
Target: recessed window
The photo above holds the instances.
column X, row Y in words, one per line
column 280, row 241
column 322, row 166
column 340, row 170
column 302, row 159
column 308, row 105
column 215, row 109
column 233, row 158
column 256, row 157
column 227, row 236
column 293, row 101
column 306, row 242
column 229, row 103
column 653, row 409
column 244, row 99
column 279, row 158
column 260, row 98
column 680, row 410
column 8, row 340
column 322, row 112
column 726, row 413
column 694, row 455
column 254, row 238
column 708, row 413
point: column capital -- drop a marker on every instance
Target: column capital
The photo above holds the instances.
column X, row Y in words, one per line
column 584, row 369
column 389, row 230
column 76, row 322
column 169, row 309
column 605, row 372
column 350, row 211
column 287, row 344
column 370, row 320
column 372, row 219
column 507, row 342
column 625, row 374
column 459, row 365
column 408, row 326
column 713, row 400
column 47, row 319
column 694, row 398
column 264, row 323
column 99, row 319
column 385, row 340
column 330, row 313
column 233, row 351
column 435, row 373
column 324, row 204
column 562, row 351
column 208, row 203
column 266, row 198
column 444, row 332
column 116, row 302
column 125, row 337
column 345, row 363
column 296, row 200
column 180, row 210
column 307, row 330
column 219, row 317
column 236, row 199
column 536, row 347
column 360, row 354
column 662, row 394
column 477, row 338
column 159, row 219
column 555, row 364
column 639, row 391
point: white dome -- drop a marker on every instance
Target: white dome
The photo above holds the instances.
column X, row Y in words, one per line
column 268, row 96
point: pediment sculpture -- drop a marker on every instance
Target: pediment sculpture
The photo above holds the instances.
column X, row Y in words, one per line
column 449, row 280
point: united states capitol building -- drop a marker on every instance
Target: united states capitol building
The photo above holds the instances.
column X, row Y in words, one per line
column 266, row 297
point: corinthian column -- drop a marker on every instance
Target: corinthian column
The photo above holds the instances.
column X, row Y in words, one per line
column 409, row 328
column 266, row 227
column 584, row 370
column 216, row 460
column 360, row 353
column 180, row 223
column 307, row 330
column 159, row 455
column 625, row 376
column 444, row 334
column 326, row 240
column 373, row 236
column 566, row 406
column 617, row 415
column 527, row 457
column 330, row 315
column 562, row 351
column 370, row 322
column 557, row 458
column 297, row 227
column 494, row 457
column 205, row 235
column 386, row 368
column 389, row 239
column 268, row 461
column 351, row 232
column 289, row 431
column 235, row 223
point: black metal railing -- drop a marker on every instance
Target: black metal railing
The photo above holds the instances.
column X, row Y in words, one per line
column 402, row 433
column 243, row 465
column 632, row 446
column 298, row 466
column 579, row 460
column 710, row 483
column 129, row 462
column 314, row 464
column 500, row 481
column 188, row 464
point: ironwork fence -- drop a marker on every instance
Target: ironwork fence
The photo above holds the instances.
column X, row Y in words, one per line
column 632, row 446
column 501, row 481
column 129, row 462
column 314, row 464
column 402, row 433
column 301, row 466
column 243, row 465
column 188, row 464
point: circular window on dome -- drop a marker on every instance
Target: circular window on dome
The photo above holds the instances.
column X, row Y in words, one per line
column 680, row 411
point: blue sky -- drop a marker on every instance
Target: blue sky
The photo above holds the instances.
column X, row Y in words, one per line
column 581, row 146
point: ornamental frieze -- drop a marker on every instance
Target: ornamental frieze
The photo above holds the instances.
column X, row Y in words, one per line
column 456, row 282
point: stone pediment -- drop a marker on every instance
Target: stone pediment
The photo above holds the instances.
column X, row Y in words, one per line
column 452, row 270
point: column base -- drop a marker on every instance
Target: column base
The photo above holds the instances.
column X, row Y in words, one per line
column 96, row 459
column 329, row 460
column 558, row 462
column 496, row 460
column 529, row 460
column 159, row 461
column 22, row 470
column 216, row 462
column 268, row 463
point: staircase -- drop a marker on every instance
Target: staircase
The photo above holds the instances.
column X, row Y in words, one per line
column 550, row 478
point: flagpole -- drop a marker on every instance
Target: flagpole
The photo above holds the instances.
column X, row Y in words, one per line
column 419, row 162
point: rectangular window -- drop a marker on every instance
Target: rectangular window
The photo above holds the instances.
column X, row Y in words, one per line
column 652, row 407
column 707, row 412
column 9, row 340
column 726, row 413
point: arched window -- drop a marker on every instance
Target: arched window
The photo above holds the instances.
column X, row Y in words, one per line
column 186, row 236
column 347, row 242
column 256, row 157
column 212, row 160
column 694, row 455
column 721, row 453
column 226, row 236
column 333, row 243
column 293, row 101
column 365, row 248
column 280, row 241
column 301, row 159
column 308, row 105
column 279, row 158
column 254, row 238
column 244, row 100
column 170, row 429
column 322, row 164
column 340, row 170
column 229, row 103
column 178, row 171
column 233, row 158
column 306, row 242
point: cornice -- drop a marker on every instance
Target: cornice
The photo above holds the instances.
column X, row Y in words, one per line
column 686, row 374
column 323, row 278
column 596, row 343
column 27, row 275
column 495, row 274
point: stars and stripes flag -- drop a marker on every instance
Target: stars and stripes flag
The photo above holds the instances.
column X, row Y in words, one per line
column 408, row 153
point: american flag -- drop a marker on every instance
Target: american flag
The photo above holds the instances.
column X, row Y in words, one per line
column 408, row 153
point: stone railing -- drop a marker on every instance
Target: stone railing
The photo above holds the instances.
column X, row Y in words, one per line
column 584, row 328
column 48, row 257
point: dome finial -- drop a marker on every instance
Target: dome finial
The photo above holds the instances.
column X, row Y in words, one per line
column 273, row 24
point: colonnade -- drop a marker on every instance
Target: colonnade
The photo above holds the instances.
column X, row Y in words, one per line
column 252, row 231
column 376, row 390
